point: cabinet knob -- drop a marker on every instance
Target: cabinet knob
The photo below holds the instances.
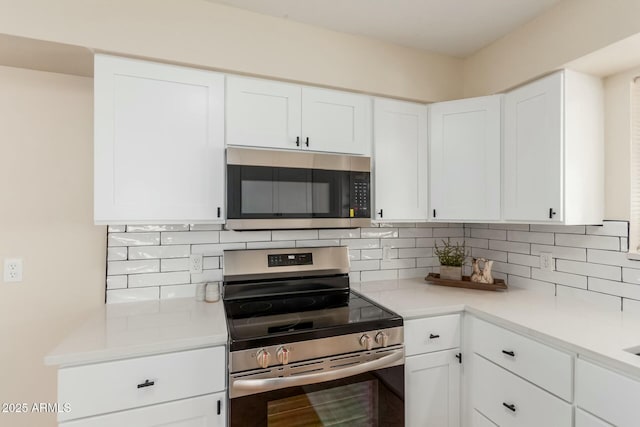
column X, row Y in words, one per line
column 551, row 213
column 297, row 141
column 509, row 353
column 433, row 336
column 380, row 213
column 307, row 142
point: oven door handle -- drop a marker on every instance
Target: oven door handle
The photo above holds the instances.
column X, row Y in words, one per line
column 266, row 384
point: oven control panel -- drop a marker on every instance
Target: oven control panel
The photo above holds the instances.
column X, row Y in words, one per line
column 284, row 260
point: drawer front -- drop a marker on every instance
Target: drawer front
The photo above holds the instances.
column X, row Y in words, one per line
column 494, row 390
column 544, row 366
column 584, row 419
column 480, row 420
column 113, row 386
column 432, row 334
column 195, row 412
column 607, row 394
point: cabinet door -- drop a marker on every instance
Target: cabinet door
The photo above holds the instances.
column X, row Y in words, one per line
column 337, row 122
column 465, row 159
column 400, row 160
column 585, row 419
column 432, row 389
column 159, row 143
column 263, row 113
column 204, row 411
column 533, row 148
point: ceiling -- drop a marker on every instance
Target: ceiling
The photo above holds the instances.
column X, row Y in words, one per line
column 452, row 27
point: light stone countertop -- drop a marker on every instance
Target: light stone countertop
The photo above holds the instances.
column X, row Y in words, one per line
column 573, row 325
column 119, row 331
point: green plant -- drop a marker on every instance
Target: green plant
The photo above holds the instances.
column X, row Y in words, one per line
column 450, row 255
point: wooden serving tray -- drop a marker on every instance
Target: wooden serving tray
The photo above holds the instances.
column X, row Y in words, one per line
column 498, row 284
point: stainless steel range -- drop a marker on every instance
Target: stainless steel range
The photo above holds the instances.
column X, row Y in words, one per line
column 305, row 350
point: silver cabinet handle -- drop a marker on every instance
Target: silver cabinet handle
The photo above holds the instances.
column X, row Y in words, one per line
column 266, row 384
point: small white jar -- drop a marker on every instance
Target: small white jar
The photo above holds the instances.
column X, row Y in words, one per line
column 213, row 292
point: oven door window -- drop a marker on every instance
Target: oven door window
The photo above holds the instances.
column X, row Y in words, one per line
column 256, row 192
column 372, row 399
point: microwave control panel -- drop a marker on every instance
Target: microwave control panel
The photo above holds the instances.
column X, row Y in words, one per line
column 360, row 190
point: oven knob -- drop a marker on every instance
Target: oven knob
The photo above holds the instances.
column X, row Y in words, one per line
column 283, row 355
column 382, row 339
column 263, row 358
column 366, row 342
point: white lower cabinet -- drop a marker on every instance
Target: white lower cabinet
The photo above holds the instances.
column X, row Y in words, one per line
column 432, row 383
column 585, row 419
column 203, row 411
column 185, row 388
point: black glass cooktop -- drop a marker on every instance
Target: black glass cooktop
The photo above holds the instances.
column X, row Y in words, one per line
column 284, row 319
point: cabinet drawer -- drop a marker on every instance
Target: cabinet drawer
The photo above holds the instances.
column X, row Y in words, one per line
column 494, row 390
column 195, row 412
column 480, row 420
column 432, row 334
column 124, row 384
column 584, row 419
column 607, row 394
column 544, row 366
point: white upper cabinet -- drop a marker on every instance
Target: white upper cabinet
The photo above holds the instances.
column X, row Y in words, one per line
column 269, row 114
column 554, row 150
column 400, row 160
column 465, row 159
column 263, row 113
column 337, row 122
column 159, row 143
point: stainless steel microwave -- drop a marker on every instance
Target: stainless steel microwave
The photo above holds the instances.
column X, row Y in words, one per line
column 268, row 189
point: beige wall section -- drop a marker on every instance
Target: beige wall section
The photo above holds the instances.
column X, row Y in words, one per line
column 201, row 33
column 570, row 30
column 46, row 182
column 618, row 143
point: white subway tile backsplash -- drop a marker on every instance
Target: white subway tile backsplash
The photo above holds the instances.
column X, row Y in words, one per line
column 174, row 264
column 229, row 236
column 371, row 254
column 448, row 232
column 631, row 306
column 294, row 234
column 191, row 237
column 207, row 276
column 420, row 232
column 159, row 279
column 517, row 227
column 133, row 239
column 630, row 275
column 603, row 301
column 178, row 291
column 316, row 243
column 211, row 263
column 118, row 253
column 610, row 228
column 272, row 245
column 560, row 252
column 361, row 243
column 371, row 264
column 559, row 278
column 507, row 246
column 369, row 276
column 555, row 228
column 116, row 228
column 588, row 241
column 518, row 270
column 398, row 243
column 480, row 233
column 478, row 243
column 354, row 255
column 517, row 258
column 427, row 262
column 216, row 249
column 426, row 242
column 626, row 290
column 611, row 258
column 588, row 269
column 410, row 273
column 152, row 252
column 398, row 263
column 379, row 233
column 132, row 267
column 205, row 227
column 530, row 237
column 354, row 277
column 489, row 254
column 116, row 282
column 415, row 252
column 339, row 233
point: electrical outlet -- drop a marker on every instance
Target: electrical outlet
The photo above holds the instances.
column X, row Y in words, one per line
column 195, row 263
column 13, row 270
column 546, row 261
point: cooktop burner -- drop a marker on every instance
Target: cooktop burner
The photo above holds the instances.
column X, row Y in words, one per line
column 283, row 320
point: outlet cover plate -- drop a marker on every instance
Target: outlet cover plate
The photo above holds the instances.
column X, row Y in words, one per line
column 546, row 261
column 13, row 270
column 195, row 263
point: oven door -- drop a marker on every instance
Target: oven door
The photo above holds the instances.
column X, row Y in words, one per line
column 373, row 398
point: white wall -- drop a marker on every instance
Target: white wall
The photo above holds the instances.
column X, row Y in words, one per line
column 46, row 182
column 205, row 34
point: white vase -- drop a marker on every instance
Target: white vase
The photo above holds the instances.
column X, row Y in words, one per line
column 451, row 273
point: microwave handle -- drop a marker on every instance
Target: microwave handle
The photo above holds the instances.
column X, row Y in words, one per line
column 266, row 384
